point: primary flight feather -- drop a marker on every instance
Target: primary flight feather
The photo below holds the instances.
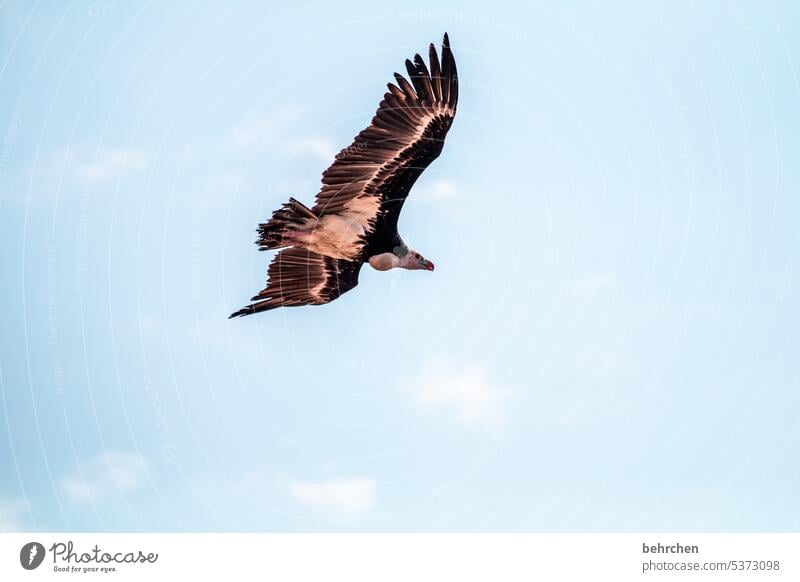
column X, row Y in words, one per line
column 354, row 218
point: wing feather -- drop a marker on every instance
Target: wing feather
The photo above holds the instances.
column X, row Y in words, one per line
column 406, row 87
column 424, row 79
column 436, row 73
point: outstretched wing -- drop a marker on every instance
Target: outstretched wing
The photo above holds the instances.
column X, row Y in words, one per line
column 370, row 179
column 298, row 276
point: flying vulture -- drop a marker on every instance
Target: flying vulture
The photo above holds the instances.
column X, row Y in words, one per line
column 354, row 218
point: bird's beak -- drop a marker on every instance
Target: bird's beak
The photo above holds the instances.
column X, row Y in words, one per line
column 429, row 266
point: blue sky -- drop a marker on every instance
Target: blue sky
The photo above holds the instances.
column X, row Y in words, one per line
column 608, row 342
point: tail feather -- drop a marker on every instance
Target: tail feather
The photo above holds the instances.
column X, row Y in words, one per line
column 275, row 233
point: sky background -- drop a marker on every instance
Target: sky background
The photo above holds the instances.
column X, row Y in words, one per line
column 609, row 341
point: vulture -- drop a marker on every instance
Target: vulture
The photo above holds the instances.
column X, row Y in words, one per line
column 354, row 218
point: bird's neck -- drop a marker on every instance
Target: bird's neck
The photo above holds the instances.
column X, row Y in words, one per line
column 385, row 261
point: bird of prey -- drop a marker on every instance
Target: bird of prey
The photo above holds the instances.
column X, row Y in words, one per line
column 354, row 218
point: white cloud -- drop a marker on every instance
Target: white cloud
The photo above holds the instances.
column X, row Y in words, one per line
column 256, row 131
column 12, row 512
column 592, row 284
column 271, row 132
column 318, row 146
column 435, row 190
column 467, row 390
column 348, row 496
column 112, row 471
column 109, row 164
column 247, row 135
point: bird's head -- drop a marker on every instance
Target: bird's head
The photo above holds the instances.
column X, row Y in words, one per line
column 413, row 261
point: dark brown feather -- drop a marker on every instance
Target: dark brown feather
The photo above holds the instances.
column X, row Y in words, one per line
column 436, row 73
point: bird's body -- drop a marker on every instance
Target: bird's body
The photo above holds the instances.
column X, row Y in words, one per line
column 354, row 219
